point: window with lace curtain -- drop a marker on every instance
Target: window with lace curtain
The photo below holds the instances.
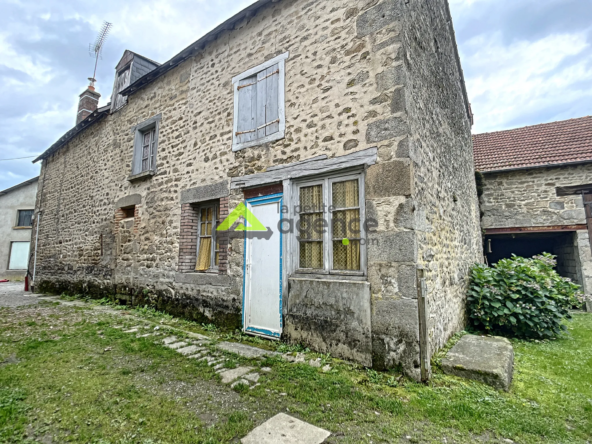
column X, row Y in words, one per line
column 208, row 248
column 330, row 216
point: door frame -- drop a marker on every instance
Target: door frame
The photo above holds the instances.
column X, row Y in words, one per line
column 261, row 200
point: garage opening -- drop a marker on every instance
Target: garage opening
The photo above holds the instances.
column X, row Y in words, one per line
column 561, row 244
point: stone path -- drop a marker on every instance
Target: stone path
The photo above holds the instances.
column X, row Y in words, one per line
column 281, row 429
column 201, row 348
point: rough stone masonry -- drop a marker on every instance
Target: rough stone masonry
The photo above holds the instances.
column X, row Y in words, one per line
column 360, row 74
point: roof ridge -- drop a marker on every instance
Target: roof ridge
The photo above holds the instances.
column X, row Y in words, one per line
column 534, row 126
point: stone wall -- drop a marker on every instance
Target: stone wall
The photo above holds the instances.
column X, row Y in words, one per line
column 443, row 208
column 528, row 198
column 349, row 87
column 568, row 259
column 585, row 260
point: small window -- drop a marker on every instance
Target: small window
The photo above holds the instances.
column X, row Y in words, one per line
column 329, row 235
column 129, row 212
column 208, row 248
column 25, row 218
column 259, row 112
column 148, row 141
column 145, row 146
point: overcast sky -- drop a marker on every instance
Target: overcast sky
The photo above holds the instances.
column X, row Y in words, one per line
column 526, row 62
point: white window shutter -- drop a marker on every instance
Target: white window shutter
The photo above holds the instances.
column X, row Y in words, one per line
column 247, row 108
column 272, row 101
column 267, row 101
column 261, row 103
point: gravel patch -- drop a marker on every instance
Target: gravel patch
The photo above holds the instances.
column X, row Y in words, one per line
column 12, row 294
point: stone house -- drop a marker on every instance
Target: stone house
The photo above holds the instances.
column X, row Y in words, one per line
column 17, row 204
column 336, row 132
column 536, row 180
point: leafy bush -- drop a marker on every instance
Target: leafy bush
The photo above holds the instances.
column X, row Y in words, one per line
column 525, row 298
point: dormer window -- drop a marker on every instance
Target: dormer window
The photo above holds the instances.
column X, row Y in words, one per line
column 130, row 68
column 122, row 82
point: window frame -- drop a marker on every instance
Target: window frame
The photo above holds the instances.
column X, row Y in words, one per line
column 117, row 100
column 280, row 134
column 150, row 125
column 151, row 158
column 18, row 217
column 215, row 206
column 10, row 254
column 327, row 182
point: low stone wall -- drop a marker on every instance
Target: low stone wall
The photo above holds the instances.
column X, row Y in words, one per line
column 331, row 316
column 204, row 304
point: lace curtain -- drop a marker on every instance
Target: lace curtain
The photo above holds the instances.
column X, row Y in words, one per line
column 346, row 225
column 311, row 242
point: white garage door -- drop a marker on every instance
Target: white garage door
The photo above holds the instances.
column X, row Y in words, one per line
column 19, row 255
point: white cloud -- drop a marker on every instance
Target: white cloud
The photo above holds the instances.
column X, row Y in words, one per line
column 516, row 80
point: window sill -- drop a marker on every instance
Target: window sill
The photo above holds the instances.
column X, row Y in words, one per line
column 203, row 278
column 22, row 228
column 305, row 271
column 328, row 277
column 271, row 138
column 141, row 176
column 359, row 276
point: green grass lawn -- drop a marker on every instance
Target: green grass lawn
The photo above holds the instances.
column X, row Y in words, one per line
column 67, row 375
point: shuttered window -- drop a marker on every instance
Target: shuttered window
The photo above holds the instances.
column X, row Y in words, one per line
column 259, row 115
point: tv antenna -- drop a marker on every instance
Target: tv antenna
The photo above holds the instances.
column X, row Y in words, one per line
column 95, row 49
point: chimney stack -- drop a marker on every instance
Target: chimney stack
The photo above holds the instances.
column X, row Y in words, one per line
column 89, row 102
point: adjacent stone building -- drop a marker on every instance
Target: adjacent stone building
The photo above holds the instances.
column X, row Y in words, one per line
column 535, row 182
column 16, row 220
column 296, row 173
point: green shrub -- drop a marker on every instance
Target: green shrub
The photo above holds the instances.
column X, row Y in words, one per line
column 523, row 298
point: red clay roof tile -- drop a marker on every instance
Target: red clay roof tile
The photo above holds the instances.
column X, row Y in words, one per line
column 568, row 141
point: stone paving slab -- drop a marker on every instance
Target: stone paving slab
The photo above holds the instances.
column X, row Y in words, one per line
column 284, row 429
column 253, row 377
column 231, row 375
column 243, row 350
column 169, row 340
column 192, row 349
column 177, row 345
column 489, row 360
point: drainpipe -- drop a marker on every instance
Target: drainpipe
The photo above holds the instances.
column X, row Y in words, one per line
column 36, row 241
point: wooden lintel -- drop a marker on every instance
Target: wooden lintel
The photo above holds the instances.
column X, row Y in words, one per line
column 547, row 229
column 572, row 190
